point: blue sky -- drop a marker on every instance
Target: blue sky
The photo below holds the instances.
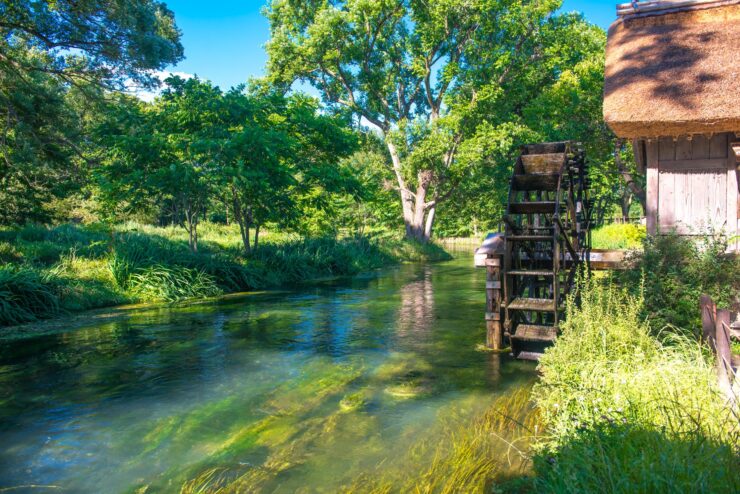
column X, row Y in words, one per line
column 224, row 39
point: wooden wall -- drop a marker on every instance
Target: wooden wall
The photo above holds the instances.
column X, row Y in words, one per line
column 692, row 184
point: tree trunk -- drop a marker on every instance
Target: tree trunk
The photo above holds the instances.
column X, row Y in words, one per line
column 191, row 224
column 413, row 205
column 256, row 235
column 634, row 187
column 244, row 220
column 429, row 222
column 625, row 205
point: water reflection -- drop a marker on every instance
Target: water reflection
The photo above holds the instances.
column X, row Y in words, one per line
column 150, row 396
column 416, row 312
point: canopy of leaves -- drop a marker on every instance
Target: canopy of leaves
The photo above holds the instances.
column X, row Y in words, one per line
column 56, row 59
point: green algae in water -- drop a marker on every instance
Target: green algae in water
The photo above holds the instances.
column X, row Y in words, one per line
column 289, row 392
column 354, row 401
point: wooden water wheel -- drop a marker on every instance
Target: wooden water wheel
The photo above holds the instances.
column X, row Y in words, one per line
column 547, row 243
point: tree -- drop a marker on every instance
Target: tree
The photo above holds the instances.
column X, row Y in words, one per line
column 281, row 162
column 270, row 157
column 426, row 75
column 165, row 151
column 57, row 59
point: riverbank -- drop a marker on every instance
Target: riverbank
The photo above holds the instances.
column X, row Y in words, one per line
column 45, row 272
column 628, row 396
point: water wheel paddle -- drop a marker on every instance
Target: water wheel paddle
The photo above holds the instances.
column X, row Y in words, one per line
column 547, row 242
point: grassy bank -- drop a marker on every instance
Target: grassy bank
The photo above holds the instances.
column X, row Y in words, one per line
column 48, row 271
column 629, row 411
column 628, row 396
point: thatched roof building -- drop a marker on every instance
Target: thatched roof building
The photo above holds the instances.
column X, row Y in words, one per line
column 673, row 68
column 672, row 85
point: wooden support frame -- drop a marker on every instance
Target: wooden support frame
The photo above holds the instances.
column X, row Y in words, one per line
column 716, row 333
column 494, row 333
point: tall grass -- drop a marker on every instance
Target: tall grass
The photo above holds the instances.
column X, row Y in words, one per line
column 25, row 296
column 95, row 266
column 171, row 284
column 629, row 412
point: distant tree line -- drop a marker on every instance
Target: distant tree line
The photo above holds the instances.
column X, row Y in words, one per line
column 423, row 108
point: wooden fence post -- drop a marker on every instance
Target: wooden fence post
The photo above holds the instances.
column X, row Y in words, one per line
column 724, row 353
column 494, row 339
column 708, row 317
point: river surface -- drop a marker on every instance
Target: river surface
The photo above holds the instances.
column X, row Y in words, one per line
column 310, row 387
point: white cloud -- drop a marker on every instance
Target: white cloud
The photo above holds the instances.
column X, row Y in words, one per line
column 149, row 95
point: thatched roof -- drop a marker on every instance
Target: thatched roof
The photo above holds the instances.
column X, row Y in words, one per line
column 672, row 73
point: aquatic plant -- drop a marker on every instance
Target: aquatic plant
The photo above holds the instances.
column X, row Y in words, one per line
column 354, row 401
column 472, row 456
column 627, row 411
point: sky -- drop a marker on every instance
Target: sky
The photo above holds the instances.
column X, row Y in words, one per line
column 224, row 39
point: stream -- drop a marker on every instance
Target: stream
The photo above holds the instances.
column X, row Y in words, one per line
column 305, row 389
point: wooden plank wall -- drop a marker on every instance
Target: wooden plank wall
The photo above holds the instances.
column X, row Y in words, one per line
column 692, row 184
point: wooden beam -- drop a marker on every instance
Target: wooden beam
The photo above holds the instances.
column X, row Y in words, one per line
column 652, row 190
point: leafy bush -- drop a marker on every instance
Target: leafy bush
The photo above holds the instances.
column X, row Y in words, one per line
column 25, row 296
column 675, row 271
column 626, row 413
column 618, row 236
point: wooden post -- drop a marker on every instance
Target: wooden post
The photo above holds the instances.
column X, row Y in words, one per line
column 494, row 339
column 708, row 317
column 724, row 353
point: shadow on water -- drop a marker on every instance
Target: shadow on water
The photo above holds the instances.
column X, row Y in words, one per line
column 311, row 388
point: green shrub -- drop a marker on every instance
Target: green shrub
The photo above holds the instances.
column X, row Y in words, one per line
column 33, row 233
column 25, row 296
column 675, row 271
column 44, row 252
column 618, row 236
column 626, row 413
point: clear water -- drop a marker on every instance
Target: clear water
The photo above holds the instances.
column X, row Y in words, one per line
column 315, row 385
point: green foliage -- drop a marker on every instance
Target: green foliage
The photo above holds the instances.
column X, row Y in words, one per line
column 438, row 80
column 258, row 156
column 88, row 267
column 58, row 58
column 25, row 295
column 171, row 284
column 626, row 413
column 618, row 236
column 675, row 271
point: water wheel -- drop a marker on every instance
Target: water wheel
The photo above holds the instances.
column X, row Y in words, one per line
column 547, row 243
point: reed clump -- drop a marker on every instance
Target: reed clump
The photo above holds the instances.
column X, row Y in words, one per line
column 77, row 267
column 629, row 411
column 476, row 455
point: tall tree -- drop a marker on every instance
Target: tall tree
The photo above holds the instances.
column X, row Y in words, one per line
column 56, row 60
column 281, row 162
column 426, row 75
